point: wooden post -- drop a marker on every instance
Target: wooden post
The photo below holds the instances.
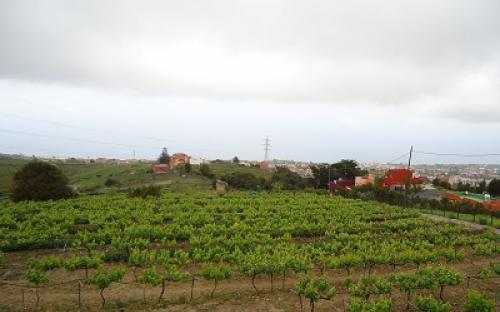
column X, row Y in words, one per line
column 79, row 295
column 22, row 294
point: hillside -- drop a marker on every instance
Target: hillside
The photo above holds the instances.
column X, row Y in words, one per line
column 91, row 177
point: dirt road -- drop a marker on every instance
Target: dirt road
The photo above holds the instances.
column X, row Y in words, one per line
column 471, row 225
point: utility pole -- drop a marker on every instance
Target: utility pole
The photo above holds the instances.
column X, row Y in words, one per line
column 409, row 159
column 408, row 178
column 267, row 147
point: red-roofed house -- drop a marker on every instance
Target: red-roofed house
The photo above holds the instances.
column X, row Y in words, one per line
column 160, row 168
column 336, row 185
column 396, row 179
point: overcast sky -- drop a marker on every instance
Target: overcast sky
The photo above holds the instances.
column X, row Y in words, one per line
column 324, row 79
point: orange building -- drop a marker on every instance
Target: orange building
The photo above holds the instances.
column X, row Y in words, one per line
column 365, row 180
column 178, row 158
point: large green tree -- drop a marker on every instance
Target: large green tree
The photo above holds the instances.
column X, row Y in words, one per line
column 345, row 169
column 288, row 179
column 494, row 187
column 40, row 180
column 164, row 156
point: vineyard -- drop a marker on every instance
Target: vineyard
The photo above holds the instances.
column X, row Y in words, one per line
column 288, row 251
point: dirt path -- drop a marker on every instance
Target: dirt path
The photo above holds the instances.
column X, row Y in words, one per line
column 471, row 225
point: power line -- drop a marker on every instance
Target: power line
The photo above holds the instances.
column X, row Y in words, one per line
column 102, row 130
column 93, row 141
column 76, row 139
column 457, row 154
column 397, row 158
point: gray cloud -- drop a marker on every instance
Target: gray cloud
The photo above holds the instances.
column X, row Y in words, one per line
column 390, row 52
column 325, row 79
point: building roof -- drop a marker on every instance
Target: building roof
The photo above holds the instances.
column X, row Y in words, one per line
column 399, row 177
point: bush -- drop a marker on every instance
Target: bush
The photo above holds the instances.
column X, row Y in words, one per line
column 429, row 304
column 382, row 305
column 206, row 172
column 39, row 181
column 475, row 302
column 111, row 182
column 287, row 179
column 145, row 191
column 246, row 181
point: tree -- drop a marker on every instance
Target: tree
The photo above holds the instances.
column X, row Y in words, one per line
column 164, row 156
column 406, row 283
column 481, row 187
column 345, row 169
column 171, row 274
column 217, row 272
column 188, row 167
column 103, row 279
column 314, row 289
column 39, row 180
column 236, row 160
column 446, row 277
column 38, row 278
column 494, row 187
column 287, row 179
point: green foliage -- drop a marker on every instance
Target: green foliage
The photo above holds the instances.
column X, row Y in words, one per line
column 476, row 302
column 494, row 187
column 367, row 286
column 111, row 182
column 315, row 288
column 150, row 276
column 287, row 180
column 37, row 277
column 164, row 156
column 103, row 279
column 381, row 305
column 40, row 181
column 45, row 264
column 82, row 262
column 246, row 181
column 206, row 172
column 216, row 272
column 145, row 191
column 447, row 277
column 347, row 169
column 174, row 275
column 429, row 304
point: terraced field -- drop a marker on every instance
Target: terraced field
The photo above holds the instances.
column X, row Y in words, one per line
column 238, row 252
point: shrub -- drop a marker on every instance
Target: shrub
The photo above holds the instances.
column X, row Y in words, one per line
column 287, row 179
column 429, row 304
column 246, row 181
column 475, row 302
column 206, row 172
column 111, row 182
column 382, row 305
column 145, row 191
column 38, row 181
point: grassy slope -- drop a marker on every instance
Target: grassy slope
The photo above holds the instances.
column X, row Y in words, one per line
column 90, row 177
